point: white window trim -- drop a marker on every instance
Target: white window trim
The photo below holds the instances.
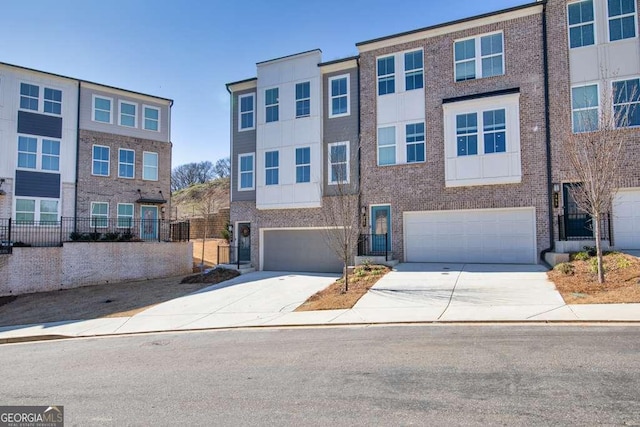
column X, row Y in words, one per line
column 39, row 153
column 41, row 88
column 609, row 18
column 478, row 58
column 330, row 103
column 37, row 214
column 108, row 160
column 253, row 172
column 302, row 99
column 277, row 104
column 296, row 165
column 395, row 85
column 330, row 181
column 135, row 114
column 93, row 108
column 118, row 216
column 613, row 103
column 395, row 145
column 134, row 163
column 405, row 71
column 268, row 168
column 157, row 166
column 423, row 142
column 253, row 124
column 598, row 91
column 594, row 22
column 151, row 107
column 91, row 216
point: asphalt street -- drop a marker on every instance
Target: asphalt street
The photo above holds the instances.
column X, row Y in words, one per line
column 400, row 375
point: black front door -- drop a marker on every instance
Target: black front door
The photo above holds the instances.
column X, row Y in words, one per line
column 578, row 223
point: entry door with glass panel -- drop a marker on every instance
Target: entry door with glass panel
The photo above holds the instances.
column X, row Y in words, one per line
column 149, row 223
column 577, row 221
column 244, row 241
column 381, row 225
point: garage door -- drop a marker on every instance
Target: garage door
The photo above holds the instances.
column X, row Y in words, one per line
column 626, row 219
column 298, row 250
column 472, row 236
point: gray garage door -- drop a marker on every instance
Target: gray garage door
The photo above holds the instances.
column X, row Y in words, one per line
column 298, row 250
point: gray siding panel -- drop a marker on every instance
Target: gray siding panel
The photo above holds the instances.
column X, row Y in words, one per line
column 341, row 129
column 299, row 250
column 37, row 184
column 243, row 142
column 39, row 124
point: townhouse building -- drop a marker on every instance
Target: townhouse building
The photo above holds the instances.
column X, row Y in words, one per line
column 75, row 149
column 455, row 138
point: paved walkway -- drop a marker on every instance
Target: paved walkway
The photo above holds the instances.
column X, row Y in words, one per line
column 410, row 293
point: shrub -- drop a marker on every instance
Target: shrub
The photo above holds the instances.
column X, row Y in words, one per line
column 111, row 236
column 593, row 265
column 75, row 236
column 94, row 236
column 591, row 250
column 564, row 268
column 623, row 262
column 581, row 256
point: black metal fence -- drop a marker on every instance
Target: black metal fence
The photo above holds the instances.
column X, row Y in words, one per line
column 580, row 227
column 15, row 233
column 374, row 245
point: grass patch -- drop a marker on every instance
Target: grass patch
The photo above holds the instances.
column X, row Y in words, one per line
column 334, row 297
column 577, row 281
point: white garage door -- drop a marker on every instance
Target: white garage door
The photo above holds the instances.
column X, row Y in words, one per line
column 626, row 219
column 472, row 236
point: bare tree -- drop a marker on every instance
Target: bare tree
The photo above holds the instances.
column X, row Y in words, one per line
column 191, row 173
column 207, row 206
column 340, row 209
column 222, row 168
column 595, row 148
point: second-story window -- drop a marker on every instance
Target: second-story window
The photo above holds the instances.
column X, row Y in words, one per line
column 622, row 19
column 50, row 155
column 102, row 109
column 413, row 70
column 128, row 114
column 626, row 102
column 52, row 101
column 339, row 96
column 126, row 163
column 100, row 165
column 415, row 142
column 29, row 95
column 149, row 166
column 246, row 111
column 386, row 75
column 303, row 99
column 387, row 146
column 581, row 28
column 303, row 164
column 271, row 105
column 584, row 106
column 479, row 57
column 467, row 134
column 271, row 164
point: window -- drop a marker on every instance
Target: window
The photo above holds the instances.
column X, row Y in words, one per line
column 50, row 155
column 339, row 97
column 52, row 101
column 339, row 163
column 626, row 100
column 126, row 163
column 102, row 109
column 584, row 105
column 386, row 75
column 149, row 166
column 48, row 211
column 271, row 105
column 151, row 118
column 303, row 99
column 271, row 163
column 303, row 164
column 27, row 152
column 467, row 134
column 128, row 114
column 494, row 124
column 125, row 215
column 29, row 95
column 415, row 142
column 622, row 19
column 43, row 210
column 25, row 210
column 413, row 70
column 246, row 111
column 387, row 146
column 581, row 29
column 99, row 214
column 100, row 160
column 490, row 61
column 245, row 180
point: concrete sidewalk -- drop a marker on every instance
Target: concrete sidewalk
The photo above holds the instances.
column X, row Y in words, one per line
column 411, row 293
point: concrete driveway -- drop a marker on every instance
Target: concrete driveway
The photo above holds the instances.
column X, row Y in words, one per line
column 417, row 292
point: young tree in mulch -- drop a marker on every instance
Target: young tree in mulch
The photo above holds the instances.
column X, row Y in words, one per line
column 595, row 149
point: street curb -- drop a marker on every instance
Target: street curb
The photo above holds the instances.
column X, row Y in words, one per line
column 37, row 338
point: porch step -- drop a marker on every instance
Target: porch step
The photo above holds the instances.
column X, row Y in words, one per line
column 379, row 260
column 244, row 268
column 555, row 258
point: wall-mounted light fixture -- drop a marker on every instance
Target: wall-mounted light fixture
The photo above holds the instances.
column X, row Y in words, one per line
column 2, row 192
column 230, row 229
column 363, row 215
column 556, row 195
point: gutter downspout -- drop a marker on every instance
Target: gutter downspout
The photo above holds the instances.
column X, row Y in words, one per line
column 75, row 208
column 359, row 183
column 545, row 56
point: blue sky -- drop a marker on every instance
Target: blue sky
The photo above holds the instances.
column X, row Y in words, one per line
column 187, row 50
